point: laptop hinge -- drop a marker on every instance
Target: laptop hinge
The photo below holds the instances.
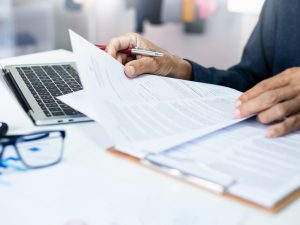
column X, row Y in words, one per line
column 16, row 90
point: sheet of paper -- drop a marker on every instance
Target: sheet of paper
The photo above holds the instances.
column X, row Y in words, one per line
column 149, row 113
column 265, row 170
column 72, row 193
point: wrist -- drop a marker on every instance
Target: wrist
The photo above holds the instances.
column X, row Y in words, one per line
column 180, row 69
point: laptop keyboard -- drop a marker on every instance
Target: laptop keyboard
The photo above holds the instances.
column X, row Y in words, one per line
column 47, row 82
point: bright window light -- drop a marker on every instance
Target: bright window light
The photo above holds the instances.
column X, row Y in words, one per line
column 245, row 6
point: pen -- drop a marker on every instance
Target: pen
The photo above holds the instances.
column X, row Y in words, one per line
column 136, row 51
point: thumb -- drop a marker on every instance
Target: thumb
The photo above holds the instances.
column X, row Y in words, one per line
column 143, row 65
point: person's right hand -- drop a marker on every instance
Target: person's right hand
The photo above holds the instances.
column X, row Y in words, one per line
column 168, row 65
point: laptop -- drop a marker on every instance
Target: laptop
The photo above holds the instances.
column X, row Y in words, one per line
column 37, row 86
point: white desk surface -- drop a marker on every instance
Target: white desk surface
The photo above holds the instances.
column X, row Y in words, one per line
column 89, row 149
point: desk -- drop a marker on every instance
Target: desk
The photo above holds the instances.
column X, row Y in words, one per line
column 90, row 151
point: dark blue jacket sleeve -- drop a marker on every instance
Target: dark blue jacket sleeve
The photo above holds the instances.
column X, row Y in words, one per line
column 256, row 62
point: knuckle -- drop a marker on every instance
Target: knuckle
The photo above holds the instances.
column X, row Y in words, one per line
column 294, row 69
column 132, row 34
column 113, row 43
column 289, row 70
column 280, row 111
column 263, row 85
column 263, row 118
column 283, row 80
column 244, row 97
column 272, row 98
column 113, row 40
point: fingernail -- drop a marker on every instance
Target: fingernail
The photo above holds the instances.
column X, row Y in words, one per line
column 237, row 114
column 270, row 133
column 238, row 103
column 130, row 71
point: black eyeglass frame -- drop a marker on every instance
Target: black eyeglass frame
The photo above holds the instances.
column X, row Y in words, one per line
column 12, row 140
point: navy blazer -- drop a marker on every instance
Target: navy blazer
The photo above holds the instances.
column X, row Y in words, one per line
column 273, row 47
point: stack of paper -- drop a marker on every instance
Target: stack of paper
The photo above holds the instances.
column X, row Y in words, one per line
column 186, row 127
column 149, row 113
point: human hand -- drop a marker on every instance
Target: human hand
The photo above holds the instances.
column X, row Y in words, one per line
column 274, row 100
column 168, row 65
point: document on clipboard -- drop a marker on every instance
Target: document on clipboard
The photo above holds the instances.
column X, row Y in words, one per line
column 185, row 129
column 238, row 160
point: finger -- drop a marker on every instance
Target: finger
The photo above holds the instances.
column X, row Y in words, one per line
column 126, row 41
column 141, row 66
column 268, row 84
column 264, row 101
column 279, row 111
column 129, row 58
column 122, row 58
column 287, row 126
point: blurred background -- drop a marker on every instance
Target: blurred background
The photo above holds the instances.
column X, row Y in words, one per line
column 211, row 32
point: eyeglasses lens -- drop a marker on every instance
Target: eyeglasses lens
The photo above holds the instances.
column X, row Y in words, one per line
column 42, row 149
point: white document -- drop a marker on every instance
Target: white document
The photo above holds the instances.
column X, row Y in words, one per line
column 149, row 113
column 72, row 193
column 264, row 170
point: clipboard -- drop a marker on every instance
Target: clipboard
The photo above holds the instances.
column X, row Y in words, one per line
column 203, row 183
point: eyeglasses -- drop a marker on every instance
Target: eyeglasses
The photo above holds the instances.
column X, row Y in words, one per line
column 36, row 150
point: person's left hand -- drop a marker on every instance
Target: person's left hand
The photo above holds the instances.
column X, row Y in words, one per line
column 274, row 100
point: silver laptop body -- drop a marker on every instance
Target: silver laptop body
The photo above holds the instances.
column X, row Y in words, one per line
column 37, row 86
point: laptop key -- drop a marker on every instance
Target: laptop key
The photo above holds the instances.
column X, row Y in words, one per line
column 70, row 112
column 46, row 97
column 44, row 108
column 56, row 94
column 49, row 101
column 54, row 109
column 48, row 114
column 52, row 105
column 58, row 114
